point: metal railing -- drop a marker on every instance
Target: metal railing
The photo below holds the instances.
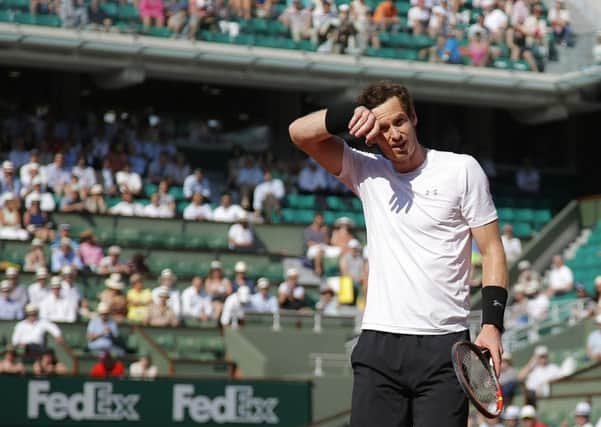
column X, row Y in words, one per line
column 316, row 319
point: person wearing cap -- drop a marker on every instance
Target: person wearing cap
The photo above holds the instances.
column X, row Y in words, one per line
column 561, row 278
column 94, row 202
column 298, row 19
column 526, row 272
column 286, row 288
column 167, row 281
column 57, row 174
column 85, row 174
column 327, row 301
column 511, row 416
column 262, row 301
column 235, row 305
column 33, row 163
column 217, row 285
column 39, row 289
column 113, row 297
column 197, row 183
column 127, row 206
column 38, row 191
column 160, row 314
column 112, row 263
column 267, row 196
column 298, row 301
column 30, row 333
column 157, row 210
column 139, row 299
column 240, row 235
column 316, row 237
column 593, row 342
column 10, row 219
column 8, row 182
column 56, row 307
column 538, row 302
column 538, row 373
column 10, row 363
column 240, row 277
column 518, row 310
column 9, row 308
column 511, row 244
column 65, row 255
column 529, row 417
column 198, row 210
column 35, row 219
column 582, row 415
column 196, row 302
column 107, row 366
column 353, row 265
column 90, row 252
column 103, row 333
column 227, row 211
column 508, row 378
column 70, row 288
column 128, row 180
column 18, row 291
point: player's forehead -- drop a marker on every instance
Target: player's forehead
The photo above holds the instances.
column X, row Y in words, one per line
column 389, row 109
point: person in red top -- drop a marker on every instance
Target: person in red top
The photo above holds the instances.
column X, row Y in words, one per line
column 528, row 417
column 107, row 367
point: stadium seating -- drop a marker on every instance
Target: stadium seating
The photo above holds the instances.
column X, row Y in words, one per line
column 587, row 262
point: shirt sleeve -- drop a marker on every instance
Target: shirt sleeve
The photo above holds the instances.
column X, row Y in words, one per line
column 353, row 168
column 477, row 206
column 53, row 329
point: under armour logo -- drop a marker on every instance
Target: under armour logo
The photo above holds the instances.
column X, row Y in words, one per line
column 433, row 192
column 496, row 303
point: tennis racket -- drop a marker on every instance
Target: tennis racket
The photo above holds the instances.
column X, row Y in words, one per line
column 475, row 372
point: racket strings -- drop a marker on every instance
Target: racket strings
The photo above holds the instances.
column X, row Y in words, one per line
column 479, row 378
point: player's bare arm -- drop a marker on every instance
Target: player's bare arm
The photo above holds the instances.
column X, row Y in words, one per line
column 494, row 273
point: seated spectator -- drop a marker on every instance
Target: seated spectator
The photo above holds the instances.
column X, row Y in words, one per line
column 582, row 415
column 85, row 174
column 30, row 333
column 262, row 301
column 298, row 19
column 226, row 211
column 511, row 416
column 527, row 180
column 65, row 256
column 57, row 174
column 64, row 232
column 107, row 367
column 446, row 50
column 113, row 297
column 155, row 210
column 9, row 308
column 197, row 210
column 35, row 258
column 511, row 244
column 538, row 302
column 48, row 365
column 418, row 17
column 103, row 332
column 8, row 182
column 240, row 235
column 35, row 220
column 535, row 25
column 518, row 310
column 218, row 287
column 73, row 13
column 518, row 12
column 34, row 163
column 98, row 20
column 342, row 234
column 18, row 291
column 33, row 178
column 478, row 50
column 10, row 364
column 71, row 202
column 112, row 262
column 176, row 16
column 235, row 305
column 167, row 281
column 268, row 195
column 128, row 181
column 95, row 203
column 316, row 240
column 39, row 289
column 561, row 278
column 593, row 342
column 325, row 19
column 166, row 199
column 181, row 170
column 90, row 252
column 151, row 11
column 143, row 368
column 47, row 202
column 539, row 372
column 10, row 220
column 312, row 178
column 107, row 180
column 286, row 288
column 240, row 277
column 200, row 11
column 137, row 264
column 161, row 169
column 559, row 20
column 296, row 300
column 70, row 288
column 526, row 273
column 138, row 299
column 160, row 314
column 327, row 301
column 353, row 264
column 528, row 417
column 58, row 307
column 127, row 206
column 495, row 19
column 196, row 302
column 508, row 378
column 528, row 177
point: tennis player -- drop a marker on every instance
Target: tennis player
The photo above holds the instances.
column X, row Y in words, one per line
column 422, row 207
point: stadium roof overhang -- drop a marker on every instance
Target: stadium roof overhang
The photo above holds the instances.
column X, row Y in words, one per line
column 118, row 59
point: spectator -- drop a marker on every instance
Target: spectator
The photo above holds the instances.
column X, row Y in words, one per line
column 511, row 244
column 418, row 16
column 298, row 19
column 297, row 300
column 342, row 235
column 352, row 263
column 538, row 302
column 95, row 203
column 508, row 378
column 10, row 220
column 112, row 262
column 196, row 302
column 240, row 235
column 128, row 181
column 262, row 301
column 8, row 182
column 386, row 16
column 106, row 174
column 70, row 289
column 526, row 273
column 495, row 19
column 197, row 183
column 143, row 368
column 107, row 367
column 160, row 313
column 327, row 301
column 137, row 264
column 84, row 173
column 528, row 417
column 164, row 196
column 113, row 297
column 35, row 258
column 103, row 333
column 64, row 232
column 155, row 210
column 98, row 19
column 48, row 365
column 311, row 178
column 10, row 364
column 18, row 292
column 65, row 256
column 325, row 19
column 478, row 50
column 197, row 210
column 30, row 333
column 240, row 278
column 57, row 175
column 71, row 202
column 127, row 206
column 151, row 10
column 200, row 11
column 73, row 13
column 559, row 20
column 35, row 220
column 519, row 12
column 268, row 195
column 561, row 278
column 235, row 305
column 167, row 281
column 176, row 19
column 316, row 238
column 593, row 342
column 241, row 8
column 535, row 26
column 9, row 308
column 287, row 287
column 58, row 307
column 218, row 286
column 90, row 252
column 527, row 180
column 226, row 211
column 33, row 176
column 511, row 416
column 446, row 50
column 597, row 49
column 528, row 177
column 518, row 311
column 539, row 372
column 47, row 203
column 39, row 289
column 34, row 163
column 138, row 299
column 442, row 19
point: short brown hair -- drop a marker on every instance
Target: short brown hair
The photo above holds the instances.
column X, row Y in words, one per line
column 380, row 92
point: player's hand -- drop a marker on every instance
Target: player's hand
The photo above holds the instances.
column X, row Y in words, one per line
column 364, row 124
column 490, row 338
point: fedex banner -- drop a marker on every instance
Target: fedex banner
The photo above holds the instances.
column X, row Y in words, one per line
column 162, row 402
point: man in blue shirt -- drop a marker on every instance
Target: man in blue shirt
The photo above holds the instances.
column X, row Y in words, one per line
column 65, row 256
column 262, row 301
column 102, row 333
column 9, row 308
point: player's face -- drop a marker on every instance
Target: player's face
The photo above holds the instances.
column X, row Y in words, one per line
column 399, row 140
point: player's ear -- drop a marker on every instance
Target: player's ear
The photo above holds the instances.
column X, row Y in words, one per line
column 414, row 119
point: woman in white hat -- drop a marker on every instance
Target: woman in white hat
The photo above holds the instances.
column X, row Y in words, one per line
column 10, row 220
column 35, row 258
column 114, row 298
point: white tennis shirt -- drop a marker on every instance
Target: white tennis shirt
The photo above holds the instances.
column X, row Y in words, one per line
column 418, row 232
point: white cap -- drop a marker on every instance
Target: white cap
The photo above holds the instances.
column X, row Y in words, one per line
column 115, row 276
column 298, row 292
column 41, row 272
column 215, row 265
column 240, row 267
column 583, row 409
column 263, row 283
column 36, row 242
column 35, row 197
column 9, row 196
column 8, row 165
column 243, row 294
column 344, row 7
column 354, row 244
column 5, row 286
column 291, row 272
column 344, row 220
column 528, row 411
column 597, row 280
column 519, row 288
column 167, row 273
column 114, row 250
column 65, row 241
column 487, row 3
column 36, row 181
column 114, row 284
column 598, row 319
column 103, row 308
column 511, row 412
column 67, row 270
column 541, row 350
column 242, row 216
column 55, row 282
column 163, row 292
column 96, row 189
column 31, row 308
column 523, row 264
column 532, row 287
column 11, row 272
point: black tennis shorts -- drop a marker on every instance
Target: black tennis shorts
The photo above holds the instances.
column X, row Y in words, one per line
column 406, row 381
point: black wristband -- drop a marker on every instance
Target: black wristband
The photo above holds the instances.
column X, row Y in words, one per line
column 494, row 299
column 338, row 118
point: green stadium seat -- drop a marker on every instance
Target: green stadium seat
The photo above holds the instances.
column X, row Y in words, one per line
column 6, row 16
column 150, row 189
column 129, row 237
column 524, row 215
column 244, row 39
column 522, row 229
column 306, row 45
column 356, row 204
column 297, row 216
column 266, row 41
column 110, row 9
column 336, row 203
column 259, row 26
column 111, row 201
column 421, row 41
column 542, row 217
column 128, row 12
column 177, row 193
column 403, row 7
column 216, row 241
column 521, row 66
column 276, row 28
column 505, row 214
column 301, row 201
column 502, row 64
column 25, row 18
column 383, row 52
column 408, row 54
column 17, row 5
